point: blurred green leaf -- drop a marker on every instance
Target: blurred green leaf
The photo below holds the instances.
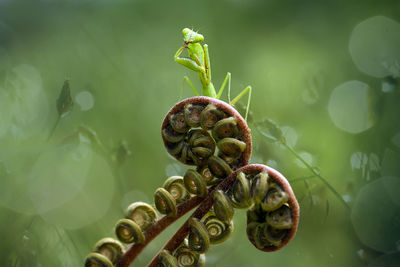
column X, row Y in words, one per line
column 376, row 215
column 122, row 152
column 388, row 260
column 64, row 101
column 90, row 134
column 269, row 129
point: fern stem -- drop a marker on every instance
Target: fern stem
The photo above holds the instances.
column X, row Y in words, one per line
column 157, row 228
column 323, row 180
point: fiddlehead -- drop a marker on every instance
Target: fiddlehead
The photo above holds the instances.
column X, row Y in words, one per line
column 107, row 252
column 218, row 230
column 167, row 260
column 193, row 146
column 141, row 213
column 176, row 187
column 198, row 240
column 222, row 207
column 186, row 257
column 165, row 202
column 272, row 228
column 96, row 259
column 128, row 231
column 195, row 183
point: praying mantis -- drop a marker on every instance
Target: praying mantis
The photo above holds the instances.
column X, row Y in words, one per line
column 198, row 60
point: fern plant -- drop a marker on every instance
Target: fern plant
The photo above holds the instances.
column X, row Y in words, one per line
column 214, row 139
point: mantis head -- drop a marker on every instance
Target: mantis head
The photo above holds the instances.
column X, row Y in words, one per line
column 191, row 36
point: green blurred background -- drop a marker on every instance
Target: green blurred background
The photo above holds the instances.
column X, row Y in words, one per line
column 326, row 72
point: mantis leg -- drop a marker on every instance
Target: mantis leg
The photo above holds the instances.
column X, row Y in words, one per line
column 246, row 90
column 191, row 85
column 207, row 64
column 227, row 79
column 187, row 62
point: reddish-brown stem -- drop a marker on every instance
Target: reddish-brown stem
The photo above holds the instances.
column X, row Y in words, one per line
column 203, row 208
column 154, row 230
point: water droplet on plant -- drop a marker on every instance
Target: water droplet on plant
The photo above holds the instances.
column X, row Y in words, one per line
column 367, row 164
column 314, row 83
column 290, row 135
column 373, row 162
column 361, row 253
column 390, row 84
column 356, row 160
column 307, row 157
column 347, row 198
column 85, row 100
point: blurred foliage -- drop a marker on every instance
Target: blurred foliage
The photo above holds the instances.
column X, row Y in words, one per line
column 325, row 77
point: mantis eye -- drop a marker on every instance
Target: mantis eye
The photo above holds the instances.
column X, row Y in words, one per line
column 192, row 36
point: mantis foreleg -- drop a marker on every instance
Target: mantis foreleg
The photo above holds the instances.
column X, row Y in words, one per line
column 188, row 62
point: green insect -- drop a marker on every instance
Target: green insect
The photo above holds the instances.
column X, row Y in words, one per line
column 198, row 60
